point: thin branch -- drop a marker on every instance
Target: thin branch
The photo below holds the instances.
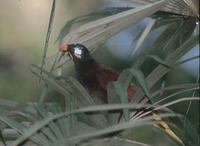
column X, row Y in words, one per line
column 45, row 86
column 48, row 35
column 187, row 60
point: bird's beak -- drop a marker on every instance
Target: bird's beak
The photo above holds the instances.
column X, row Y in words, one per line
column 64, row 47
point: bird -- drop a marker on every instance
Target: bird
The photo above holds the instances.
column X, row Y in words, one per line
column 91, row 74
column 95, row 77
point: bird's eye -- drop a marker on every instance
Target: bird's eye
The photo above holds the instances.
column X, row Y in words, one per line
column 77, row 52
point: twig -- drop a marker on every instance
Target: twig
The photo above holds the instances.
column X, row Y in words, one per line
column 45, row 87
column 48, row 35
column 187, row 60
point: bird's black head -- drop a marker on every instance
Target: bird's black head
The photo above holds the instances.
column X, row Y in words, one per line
column 83, row 61
column 78, row 52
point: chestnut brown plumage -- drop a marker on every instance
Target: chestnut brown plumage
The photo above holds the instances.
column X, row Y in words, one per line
column 94, row 76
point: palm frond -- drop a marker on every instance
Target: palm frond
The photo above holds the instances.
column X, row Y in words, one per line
column 83, row 121
column 53, row 123
column 114, row 141
column 81, row 20
column 143, row 36
column 181, row 7
column 96, row 32
column 49, row 125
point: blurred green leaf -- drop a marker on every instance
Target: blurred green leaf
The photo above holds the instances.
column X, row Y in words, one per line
column 159, row 60
column 12, row 123
column 121, row 95
column 2, row 138
column 177, row 87
column 51, row 118
column 138, row 75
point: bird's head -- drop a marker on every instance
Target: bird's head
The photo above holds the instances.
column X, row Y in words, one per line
column 77, row 52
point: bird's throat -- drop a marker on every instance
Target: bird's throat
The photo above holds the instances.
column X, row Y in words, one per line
column 85, row 69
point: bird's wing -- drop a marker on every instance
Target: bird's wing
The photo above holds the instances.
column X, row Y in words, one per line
column 106, row 75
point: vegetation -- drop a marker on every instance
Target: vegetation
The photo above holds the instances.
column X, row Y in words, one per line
column 79, row 120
